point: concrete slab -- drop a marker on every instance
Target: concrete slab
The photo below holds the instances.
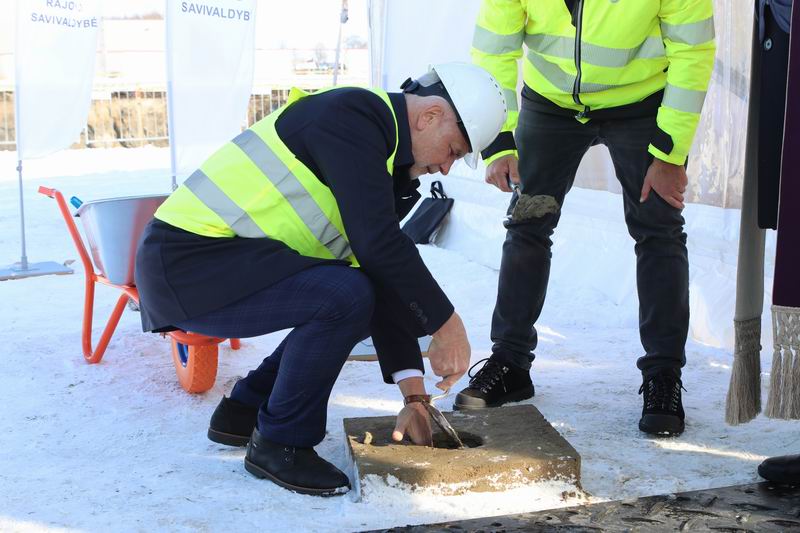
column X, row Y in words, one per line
column 507, row 447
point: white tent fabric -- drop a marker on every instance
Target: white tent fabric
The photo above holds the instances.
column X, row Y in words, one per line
column 54, row 62
column 210, row 50
column 405, row 48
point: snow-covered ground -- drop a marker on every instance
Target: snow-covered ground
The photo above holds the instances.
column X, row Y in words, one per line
column 119, row 446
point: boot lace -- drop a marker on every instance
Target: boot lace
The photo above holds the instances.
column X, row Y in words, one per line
column 486, row 378
column 662, row 393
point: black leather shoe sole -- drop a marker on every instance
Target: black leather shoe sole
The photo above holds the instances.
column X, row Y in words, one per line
column 228, row 439
column 467, row 403
column 263, row 474
column 661, row 425
column 784, row 470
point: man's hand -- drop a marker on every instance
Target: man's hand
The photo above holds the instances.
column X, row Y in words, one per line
column 501, row 170
column 415, row 422
column 449, row 352
column 668, row 180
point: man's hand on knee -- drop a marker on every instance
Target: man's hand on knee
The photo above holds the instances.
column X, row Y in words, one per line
column 501, row 170
column 449, row 352
column 668, row 180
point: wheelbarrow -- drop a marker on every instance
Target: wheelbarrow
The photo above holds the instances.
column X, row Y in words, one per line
column 112, row 228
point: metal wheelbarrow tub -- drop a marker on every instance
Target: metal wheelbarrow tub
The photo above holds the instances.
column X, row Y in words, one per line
column 113, row 227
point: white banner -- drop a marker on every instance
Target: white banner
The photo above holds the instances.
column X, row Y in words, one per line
column 210, row 50
column 55, row 49
column 404, row 56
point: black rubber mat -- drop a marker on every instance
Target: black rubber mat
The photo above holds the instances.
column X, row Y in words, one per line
column 755, row 507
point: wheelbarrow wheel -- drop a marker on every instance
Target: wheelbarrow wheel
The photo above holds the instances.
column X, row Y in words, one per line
column 196, row 366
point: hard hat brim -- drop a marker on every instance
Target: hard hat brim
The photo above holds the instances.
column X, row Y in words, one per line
column 471, row 159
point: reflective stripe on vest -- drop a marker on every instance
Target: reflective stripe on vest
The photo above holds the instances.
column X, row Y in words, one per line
column 651, row 48
column 560, row 79
column 690, row 33
column 254, row 187
column 563, row 47
column 686, row 100
column 605, row 54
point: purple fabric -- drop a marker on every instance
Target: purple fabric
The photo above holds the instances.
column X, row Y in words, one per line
column 786, row 287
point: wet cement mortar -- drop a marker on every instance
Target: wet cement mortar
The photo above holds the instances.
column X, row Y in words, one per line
column 515, row 445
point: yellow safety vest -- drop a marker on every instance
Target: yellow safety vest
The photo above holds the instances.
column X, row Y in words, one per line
column 616, row 52
column 255, row 187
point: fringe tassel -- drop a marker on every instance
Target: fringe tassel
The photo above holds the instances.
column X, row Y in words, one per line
column 773, row 408
column 787, row 386
column 744, row 393
column 784, row 394
column 794, row 402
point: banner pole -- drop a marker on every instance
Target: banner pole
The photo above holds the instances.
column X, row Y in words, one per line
column 171, row 131
column 18, row 142
column 170, row 104
column 342, row 19
column 23, row 262
column 23, row 269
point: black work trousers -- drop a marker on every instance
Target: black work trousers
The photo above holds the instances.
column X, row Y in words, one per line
column 550, row 149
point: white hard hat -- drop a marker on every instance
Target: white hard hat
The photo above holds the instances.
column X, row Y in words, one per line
column 477, row 98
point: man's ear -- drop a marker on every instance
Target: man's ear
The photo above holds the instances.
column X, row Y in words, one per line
column 429, row 116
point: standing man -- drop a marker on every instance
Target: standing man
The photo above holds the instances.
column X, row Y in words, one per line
column 630, row 74
column 295, row 224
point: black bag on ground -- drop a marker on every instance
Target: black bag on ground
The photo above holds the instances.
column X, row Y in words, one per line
column 429, row 215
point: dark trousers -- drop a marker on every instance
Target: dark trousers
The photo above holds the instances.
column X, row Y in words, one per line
column 550, row 148
column 329, row 308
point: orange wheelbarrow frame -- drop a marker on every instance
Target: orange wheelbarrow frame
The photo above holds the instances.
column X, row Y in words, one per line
column 194, row 355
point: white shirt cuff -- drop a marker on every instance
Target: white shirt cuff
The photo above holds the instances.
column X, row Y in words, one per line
column 400, row 375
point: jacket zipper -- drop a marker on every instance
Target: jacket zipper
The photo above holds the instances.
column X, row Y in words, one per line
column 576, row 87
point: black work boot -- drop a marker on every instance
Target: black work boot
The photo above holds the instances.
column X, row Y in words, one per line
column 662, row 413
column 493, row 385
column 297, row 469
column 783, row 469
column 232, row 423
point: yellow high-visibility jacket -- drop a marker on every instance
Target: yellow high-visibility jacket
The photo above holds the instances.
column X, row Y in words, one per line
column 255, row 187
column 603, row 54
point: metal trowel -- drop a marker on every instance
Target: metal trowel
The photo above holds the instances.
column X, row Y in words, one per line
column 441, row 421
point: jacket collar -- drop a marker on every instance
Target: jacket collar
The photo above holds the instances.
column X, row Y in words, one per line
column 404, row 157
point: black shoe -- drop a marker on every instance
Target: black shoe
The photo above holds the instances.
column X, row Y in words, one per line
column 297, row 469
column 232, row 423
column 784, row 469
column 494, row 384
column 662, row 413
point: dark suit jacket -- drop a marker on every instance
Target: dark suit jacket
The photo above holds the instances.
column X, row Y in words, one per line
column 345, row 137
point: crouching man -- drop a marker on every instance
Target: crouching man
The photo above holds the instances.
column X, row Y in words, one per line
column 295, row 224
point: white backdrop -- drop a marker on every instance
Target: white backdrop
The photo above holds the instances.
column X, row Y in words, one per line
column 417, row 33
column 54, row 62
column 210, row 47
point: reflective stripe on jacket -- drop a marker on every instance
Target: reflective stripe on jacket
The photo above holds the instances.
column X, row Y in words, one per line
column 254, row 187
column 603, row 54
